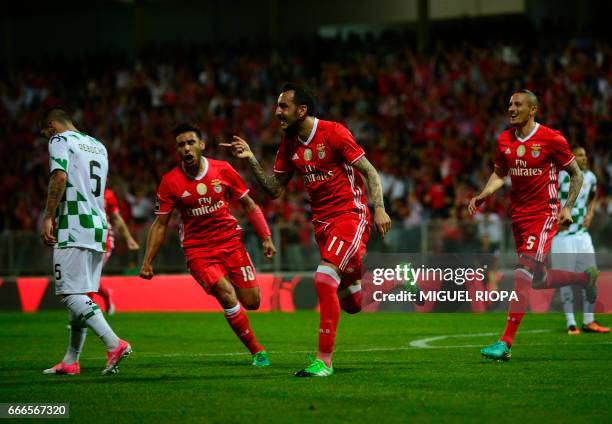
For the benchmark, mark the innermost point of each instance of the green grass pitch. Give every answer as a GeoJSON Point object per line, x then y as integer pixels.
{"type": "Point", "coordinates": [390, 367]}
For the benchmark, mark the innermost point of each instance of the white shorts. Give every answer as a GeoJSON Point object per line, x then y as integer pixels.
{"type": "Point", "coordinates": [573, 252]}
{"type": "Point", "coordinates": [76, 270]}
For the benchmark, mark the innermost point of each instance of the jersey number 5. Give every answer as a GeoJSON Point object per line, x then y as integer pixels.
{"type": "Point", "coordinates": [92, 175]}
{"type": "Point", "coordinates": [530, 242]}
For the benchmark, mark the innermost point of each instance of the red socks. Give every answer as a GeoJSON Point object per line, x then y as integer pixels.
{"type": "Point", "coordinates": [522, 282]}
{"type": "Point", "coordinates": [237, 319]}
{"type": "Point", "coordinates": [326, 283]}
{"type": "Point", "coordinates": [350, 296]}
{"type": "Point", "coordinates": [559, 278]}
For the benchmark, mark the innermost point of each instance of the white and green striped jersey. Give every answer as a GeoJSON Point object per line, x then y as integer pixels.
{"type": "Point", "coordinates": [579, 211]}
{"type": "Point", "coordinates": [81, 220]}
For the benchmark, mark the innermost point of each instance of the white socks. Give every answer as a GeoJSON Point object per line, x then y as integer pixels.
{"type": "Point", "coordinates": [85, 310]}
{"type": "Point", "coordinates": [567, 295]}
{"type": "Point", "coordinates": [76, 340]}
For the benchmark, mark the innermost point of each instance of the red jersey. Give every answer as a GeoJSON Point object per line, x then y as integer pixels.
{"type": "Point", "coordinates": [325, 163]}
{"type": "Point", "coordinates": [111, 206]}
{"type": "Point", "coordinates": [533, 164]}
{"type": "Point", "coordinates": [203, 204]}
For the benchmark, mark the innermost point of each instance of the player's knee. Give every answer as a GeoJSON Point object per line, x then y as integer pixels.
{"type": "Point", "coordinates": [252, 302]}
{"type": "Point", "coordinates": [225, 294]}
{"type": "Point", "coordinates": [534, 269]}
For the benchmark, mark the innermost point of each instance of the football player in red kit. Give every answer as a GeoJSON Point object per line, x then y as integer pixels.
{"type": "Point", "coordinates": [333, 167]}
{"type": "Point", "coordinates": [532, 155]}
{"type": "Point", "coordinates": [200, 188]}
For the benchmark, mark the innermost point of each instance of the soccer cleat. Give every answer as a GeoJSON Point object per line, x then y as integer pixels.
{"type": "Point", "coordinates": [591, 289]}
{"type": "Point", "coordinates": [594, 327]}
{"type": "Point", "coordinates": [572, 330]}
{"type": "Point", "coordinates": [498, 351]}
{"type": "Point", "coordinates": [260, 359]}
{"type": "Point", "coordinates": [64, 369]}
{"type": "Point", "coordinates": [316, 369]}
{"type": "Point", "coordinates": [114, 358]}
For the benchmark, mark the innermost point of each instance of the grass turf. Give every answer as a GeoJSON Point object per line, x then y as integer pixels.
{"type": "Point", "coordinates": [191, 367]}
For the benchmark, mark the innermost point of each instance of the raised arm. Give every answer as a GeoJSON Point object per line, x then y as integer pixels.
{"type": "Point", "coordinates": [155, 239]}
{"type": "Point", "coordinates": [496, 181]}
{"type": "Point", "coordinates": [274, 185]}
{"type": "Point", "coordinates": [576, 177]}
{"type": "Point", "coordinates": [381, 218]}
{"type": "Point", "coordinates": [57, 186]}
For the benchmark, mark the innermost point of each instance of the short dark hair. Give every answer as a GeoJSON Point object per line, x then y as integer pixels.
{"type": "Point", "coordinates": [55, 113]}
{"type": "Point", "coordinates": [532, 99]}
{"type": "Point", "coordinates": [184, 127]}
{"type": "Point", "coordinates": [302, 96]}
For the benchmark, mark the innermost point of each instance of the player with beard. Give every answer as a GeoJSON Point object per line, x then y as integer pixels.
{"type": "Point", "coordinates": [332, 166]}
{"type": "Point", "coordinates": [200, 188]}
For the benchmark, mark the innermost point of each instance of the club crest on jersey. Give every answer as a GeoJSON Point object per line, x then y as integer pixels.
{"type": "Point", "coordinates": [535, 150]}
{"type": "Point", "coordinates": [216, 183]}
{"type": "Point", "coordinates": [520, 150]}
{"type": "Point", "coordinates": [201, 189]}
{"type": "Point", "coordinates": [321, 150]}
{"type": "Point", "coordinates": [307, 154]}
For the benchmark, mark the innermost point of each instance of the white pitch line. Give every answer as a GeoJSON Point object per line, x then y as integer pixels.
{"type": "Point", "coordinates": [415, 344]}
{"type": "Point", "coordinates": [424, 343]}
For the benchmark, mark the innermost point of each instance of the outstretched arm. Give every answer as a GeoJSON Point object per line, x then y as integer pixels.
{"type": "Point", "coordinates": [57, 186]}
{"type": "Point", "coordinates": [275, 184]}
{"type": "Point", "coordinates": [381, 218]}
{"type": "Point", "coordinates": [155, 239]}
{"type": "Point", "coordinates": [576, 177]}
{"type": "Point", "coordinates": [496, 181]}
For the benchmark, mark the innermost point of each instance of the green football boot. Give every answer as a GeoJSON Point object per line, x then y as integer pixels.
{"type": "Point", "coordinates": [591, 290]}
{"type": "Point", "coordinates": [316, 369]}
{"type": "Point", "coordinates": [260, 359]}
{"type": "Point", "coordinates": [498, 351]}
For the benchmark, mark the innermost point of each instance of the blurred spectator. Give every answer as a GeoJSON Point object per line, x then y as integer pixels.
{"type": "Point", "coordinates": [428, 122]}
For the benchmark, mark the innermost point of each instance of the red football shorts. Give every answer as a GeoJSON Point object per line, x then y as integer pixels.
{"type": "Point", "coordinates": [342, 242]}
{"type": "Point", "coordinates": [232, 261]}
{"type": "Point", "coordinates": [533, 235]}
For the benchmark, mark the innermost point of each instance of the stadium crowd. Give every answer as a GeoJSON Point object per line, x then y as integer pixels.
{"type": "Point", "coordinates": [427, 122]}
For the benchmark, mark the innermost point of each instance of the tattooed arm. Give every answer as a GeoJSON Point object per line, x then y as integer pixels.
{"type": "Point", "coordinates": [274, 184]}
{"type": "Point", "coordinates": [57, 185]}
{"type": "Point", "coordinates": [381, 219]}
{"type": "Point", "coordinates": [576, 177]}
